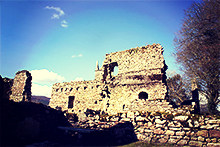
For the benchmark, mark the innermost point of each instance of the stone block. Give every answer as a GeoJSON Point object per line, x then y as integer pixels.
{"type": "Point", "coordinates": [175, 129]}
{"type": "Point", "coordinates": [213, 145]}
{"type": "Point", "coordinates": [195, 143]}
{"type": "Point", "coordinates": [214, 139]}
{"type": "Point", "coordinates": [148, 139]}
{"type": "Point", "coordinates": [208, 140]}
{"type": "Point", "coordinates": [169, 132]}
{"type": "Point", "coordinates": [158, 121]}
{"type": "Point", "coordinates": [186, 129]}
{"type": "Point", "coordinates": [212, 121]}
{"type": "Point", "coordinates": [214, 133]}
{"type": "Point", "coordinates": [186, 138]}
{"type": "Point", "coordinates": [159, 126]}
{"type": "Point", "coordinates": [203, 133]}
{"type": "Point", "coordinates": [201, 139]}
{"type": "Point", "coordinates": [140, 136]}
{"type": "Point", "coordinates": [182, 142]}
{"type": "Point", "coordinates": [173, 141]}
{"type": "Point", "coordinates": [162, 140]}
{"type": "Point", "coordinates": [158, 131]}
{"type": "Point", "coordinates": [194, 138]}
{"type": "Point", "coordinates": [180, 133]}
{"type": "Point", "coordinates": [148, 131]}
{"type": "Point", "coordinates": [130, 114]}
{"type": "Point", "coordinates": [181, 118]}
{"type": "Point", "coordinates": [139, 118]}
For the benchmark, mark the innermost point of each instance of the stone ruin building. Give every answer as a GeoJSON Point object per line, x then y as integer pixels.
{"type": "Point", "coordinates": [17, 89]}
{"type": "Point", "coordinates": [140, 84]}
{"type": "Point", "coordinates": [129, 106]}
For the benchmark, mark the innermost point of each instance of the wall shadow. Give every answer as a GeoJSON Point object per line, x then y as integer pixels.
{"type": "Point", "coordinates": [120, 134]}
{"type": "Point", "coordinates": [31, 124]}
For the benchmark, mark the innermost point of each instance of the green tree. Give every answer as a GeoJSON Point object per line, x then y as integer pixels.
{"type": "Point", "coordinates": [176, 89]}
{"type": "Point", "coordinates": [197, 48]}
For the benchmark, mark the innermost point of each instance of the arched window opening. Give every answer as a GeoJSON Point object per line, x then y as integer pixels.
{"type": "Point", "coordinates": [71, 101]}
{"type": "Point", "coordinates": [143, 95]}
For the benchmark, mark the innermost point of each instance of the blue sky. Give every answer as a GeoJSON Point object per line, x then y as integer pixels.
{"type": "Point", "coordinates": [62, 40]}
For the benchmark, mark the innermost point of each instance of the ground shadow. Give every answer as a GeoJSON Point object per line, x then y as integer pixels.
{"type": "Point", "coordinates": [120, 134]}
{"type": "Point", "coordinates": [30, 124]}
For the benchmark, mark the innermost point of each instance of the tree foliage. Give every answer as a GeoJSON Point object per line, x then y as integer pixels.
{"type": "Point", "coordinates": [176, 89]}
{"type": "Point", "coordinates": [197, 48]}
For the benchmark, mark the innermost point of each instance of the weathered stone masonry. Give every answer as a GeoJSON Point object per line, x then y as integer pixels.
{"type": "Point", "coordinates": [21, 89]}
{"type": "Point", "coordinates": [138, 86]}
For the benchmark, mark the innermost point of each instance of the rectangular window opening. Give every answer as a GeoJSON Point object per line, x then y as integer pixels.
{"type": "Point", "coordinates": [71, 101]}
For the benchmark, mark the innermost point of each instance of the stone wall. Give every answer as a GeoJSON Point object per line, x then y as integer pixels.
{"type": "Point", "coordinates": [177, 127]}
{"type": "Point", "coordinates": [138, 86]}
{"type": "Point", "coordinates": [5, 88]}
{"type": "Point", "coordinates": [21, 89]}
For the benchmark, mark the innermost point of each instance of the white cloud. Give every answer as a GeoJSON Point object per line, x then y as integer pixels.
{"type": "Point", "coordinates": [64, 24]}
{"type": "Point", "coordinates": [58, 13]}
{"type": "Point", "coordinates": [75, 56]}
{"type": "Point", "coordinates": [58, 10]}
{"type": "Point", "coordinates": [78, 79]}
{"type": "Point", "coordinates": [44, 76]}
{"type": "Point", "coordinates": [41, 90]}
{"type": "Point", "coordinates": [55, 16]}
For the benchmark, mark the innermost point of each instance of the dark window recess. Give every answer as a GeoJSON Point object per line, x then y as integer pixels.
{"type": "Point", "coordinates": [156, 77]}
{"type": "Point", "coordinates": [143, 95]}
{"type": "Point", "coordinates": [71, 101]}
{"type": "Point", "coordinates": [95, 102]}
{"type": "Point", "coordinates": [71, 89]}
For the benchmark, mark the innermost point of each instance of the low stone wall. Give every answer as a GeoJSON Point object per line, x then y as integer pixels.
{"type": "Point", "coordinates": [177, 128]}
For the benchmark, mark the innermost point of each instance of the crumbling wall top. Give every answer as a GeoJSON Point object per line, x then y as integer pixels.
{"type": "Point", "coordinates": [21, 89]}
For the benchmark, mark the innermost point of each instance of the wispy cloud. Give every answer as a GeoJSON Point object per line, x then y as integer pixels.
{"type": "Point", "coordinates": [58, 10]}
{"type": "Point", "coordinates": [64, 24]}
{"type": "Point", "coordinates": [75, 56]}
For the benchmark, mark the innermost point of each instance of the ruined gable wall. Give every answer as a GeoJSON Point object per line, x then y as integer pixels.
{"type": "Point", "coordinates": [136, 59]}
{"type": "Point", "coordinates": [21, 89]}
{"type": "Point", "coordinates": [135, 66]}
